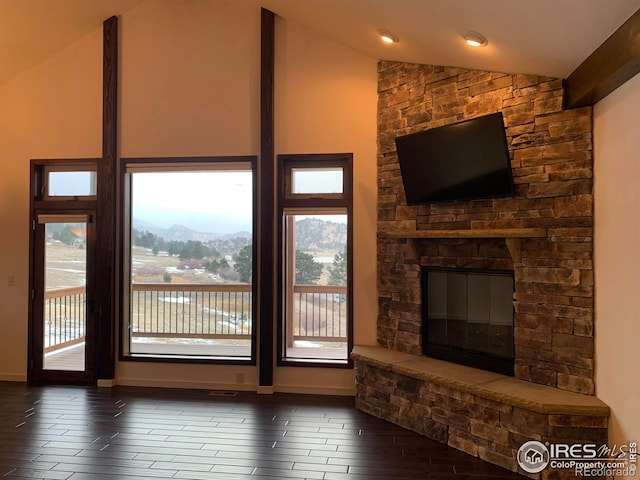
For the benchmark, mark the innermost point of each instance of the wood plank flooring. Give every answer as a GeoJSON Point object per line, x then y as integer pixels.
{"type": "Point", "coordinates": [125, 433]}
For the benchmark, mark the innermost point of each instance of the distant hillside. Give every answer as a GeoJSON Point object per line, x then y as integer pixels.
{"type": "Point", "coordinates": [227, 244]}
{"type": "Point", "coordinates": [180, 233]}
{"type": "Point", "coordinates": [315, 235]}
{"type": "Point", "coordinates": [312, 235]}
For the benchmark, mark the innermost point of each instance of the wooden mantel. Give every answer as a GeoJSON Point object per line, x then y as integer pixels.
{"type": "Point", "coordinates": [512, 236]}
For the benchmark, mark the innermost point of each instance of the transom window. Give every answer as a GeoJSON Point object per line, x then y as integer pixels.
{"type": "Point", "coordinates": [62, 182]}
{"type": "Point", "coordinates": [305, 180]}
{"type": "Point", "coordinates": [190, 260]}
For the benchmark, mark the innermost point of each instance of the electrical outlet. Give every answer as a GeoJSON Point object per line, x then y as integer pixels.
{"type": "Point", "coordinates": [11, 282]}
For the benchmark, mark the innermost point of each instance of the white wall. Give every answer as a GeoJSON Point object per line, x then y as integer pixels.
{"type": "Point", "coordinates": [190, 83]}
{"type": "Point", "coordinates": [190, 79]}
{"type": "Point", "coordinates": [189, 86]}
{"type": "Point", "coordinates": [53, 110]}
{"type": "Point", "coordinates": [326, 100]}
{"type": "Point", "coordinates": [617, 258]}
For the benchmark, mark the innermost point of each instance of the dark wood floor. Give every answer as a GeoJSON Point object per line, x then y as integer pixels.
{"type": "Point", "coordinates": [80, 433]}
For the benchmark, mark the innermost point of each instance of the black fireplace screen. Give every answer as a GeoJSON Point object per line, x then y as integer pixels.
{"type": "Point", "coordinates": [468, 317]}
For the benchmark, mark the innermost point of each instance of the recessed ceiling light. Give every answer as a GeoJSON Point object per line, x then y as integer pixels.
{"type": "Point", "coordinates": [388, 37]}
{"type": "Point", "coordinates": [475, 39]}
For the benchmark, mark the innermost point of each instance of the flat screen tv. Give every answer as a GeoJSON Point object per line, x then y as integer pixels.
{"type": "Point", "coordinates": [462, 161]}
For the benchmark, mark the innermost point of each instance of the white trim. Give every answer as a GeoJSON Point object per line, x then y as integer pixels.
{"type": "Point", "coordinates": [139, 382]}
{"type": "Point", "coordinates": [342, 392]}
{"type": "Point", "coordinates": [13, 377]}
{"type": "Point", "coordinates": [107, 383]}
{"type": "Point", "coordinates": [268, 390]}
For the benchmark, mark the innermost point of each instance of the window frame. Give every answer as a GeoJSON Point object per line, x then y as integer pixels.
{"type": "Point", "coordinates": [71, 167]}
{"type": "Point", "coordinates": [304, 203]}
{"type": "Point", "coordinates": [40, 170]}
{"type": "Point", "coordinates": [178, 164]}
{"type": "Point", "coordinates": [286, 163]}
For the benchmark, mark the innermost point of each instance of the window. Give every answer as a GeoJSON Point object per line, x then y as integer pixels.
{"type": "Point", "coordinates": [320, 181]}
{"type": "Point", "coordinates": [315, 261]}
{"type": "Point", "coordinates": [64, 183]}
{"type": "Point", "coordinates": [189, 249]}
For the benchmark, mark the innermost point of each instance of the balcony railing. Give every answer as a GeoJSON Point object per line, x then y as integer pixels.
{"type": "Point", "coordinates": [65, 318]}
{"type": "Point", "coordinates": [191, 311]}
{"type": "Point", "coordinates": [319, 313]}
{"type": "Point", "coordinates": [184, 311]}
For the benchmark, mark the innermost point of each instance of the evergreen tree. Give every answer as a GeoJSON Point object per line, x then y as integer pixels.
{"type": "Point", "coordinates": [308, 271]}
{"type": "Point", "coordinates": [338, 271]}
{"type": "Point", "coordinates": [65, 235]}
{"type": "Point", "coordinates": [174, 248]}
{"type": "Point", "coordinates": [244, 263]}
{"type": "Point", "coordinates": [212, 266]}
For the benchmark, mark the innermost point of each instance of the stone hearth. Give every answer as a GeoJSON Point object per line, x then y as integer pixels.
{"type": "Point", "coordinates": [485, 414]}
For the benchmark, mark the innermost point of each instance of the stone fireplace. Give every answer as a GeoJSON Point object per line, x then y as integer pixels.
{"type": "Point", "coordinates": [544, 235]}
{"type": "Point", "coordinates": [551, 151]}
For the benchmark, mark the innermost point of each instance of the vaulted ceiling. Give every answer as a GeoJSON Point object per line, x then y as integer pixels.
{"type": "Point", "coordinates": [547, 37]}
{"type": "Point", "coordinates": [33, 30]}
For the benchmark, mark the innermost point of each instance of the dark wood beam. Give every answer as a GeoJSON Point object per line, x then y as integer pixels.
{"type": "Point", "coordinates": [106, 206]}
{"type": "Point", "coordinates": [609, 66]}
{"type": "Point", "coordinates": [266, 176]}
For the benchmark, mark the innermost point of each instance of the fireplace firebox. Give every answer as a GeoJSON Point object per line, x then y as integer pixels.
{"type": "Point", "coordinates": [468, 317]}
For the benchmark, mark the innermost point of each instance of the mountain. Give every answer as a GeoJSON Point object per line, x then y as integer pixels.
{"type": "Point", "coordinates": [180, 233]}
{"type": "Point", "coordinates": [316, 235]}
{"type": "Point", "coordinates": [312, 235]}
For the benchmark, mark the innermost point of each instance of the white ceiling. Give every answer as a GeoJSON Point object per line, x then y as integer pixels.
{"type": "Point", "coordinates": [546, 37]}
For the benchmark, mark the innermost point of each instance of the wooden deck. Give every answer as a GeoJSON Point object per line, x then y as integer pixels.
{"type": "Point", "coordinates": [72, 358]}
{"type": "Point", "coordinates": [68, 359]}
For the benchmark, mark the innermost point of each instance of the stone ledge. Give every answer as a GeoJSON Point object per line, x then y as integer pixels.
{"type": "Point", "coordinates": [467, 233]}
{"type": "Point", "coordinates": [492, 386]}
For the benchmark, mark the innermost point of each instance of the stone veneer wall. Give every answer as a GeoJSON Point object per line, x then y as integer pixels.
{"type": "Point", "coordinates": [551, 151]}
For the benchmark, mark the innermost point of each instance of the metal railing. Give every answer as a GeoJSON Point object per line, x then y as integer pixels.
{"type": "Point", "coordinates": [191, 311]}
{"type": "Point", "coordinates": [65, 318]}
{"type": "Point", "coordinates": [181, 311]}
{"type": "Point", "coordinates": [319, 313]}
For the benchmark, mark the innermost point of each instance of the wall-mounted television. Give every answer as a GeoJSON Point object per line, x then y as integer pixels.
{"type": "Point", "coordinates": [461, 161]}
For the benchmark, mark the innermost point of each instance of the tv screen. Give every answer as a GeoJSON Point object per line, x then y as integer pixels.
{"type": "Point", "coordinates": [462, 161]}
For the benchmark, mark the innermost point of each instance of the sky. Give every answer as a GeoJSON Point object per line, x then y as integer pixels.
{"type": "Point", "coordinates": [217, 201]}
{"type": "Point", "coordinates": [317, 180]}
{"type": "Point", "coordinates": [72, 183]}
